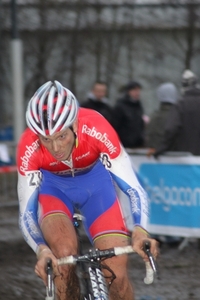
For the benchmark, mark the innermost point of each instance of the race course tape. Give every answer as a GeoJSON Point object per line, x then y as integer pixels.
{"type": "Point", "coordinates": [8, 169]}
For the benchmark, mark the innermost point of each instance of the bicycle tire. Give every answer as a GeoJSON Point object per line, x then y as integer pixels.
{"type": "Point", "coordinates": [84, 281]}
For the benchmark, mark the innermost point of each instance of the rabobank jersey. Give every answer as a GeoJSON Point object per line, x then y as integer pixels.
{"type": "Point", "coordinates": [97, 140]}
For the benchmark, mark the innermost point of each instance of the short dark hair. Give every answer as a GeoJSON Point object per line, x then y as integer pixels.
{"type": "Point", "coordinates": [132, 85]}
{"type": "Point", "coordinates": [99, 82]}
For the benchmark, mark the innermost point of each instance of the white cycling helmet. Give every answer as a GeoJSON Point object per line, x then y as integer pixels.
{"type": "Point", "coordinates": [51, 109]}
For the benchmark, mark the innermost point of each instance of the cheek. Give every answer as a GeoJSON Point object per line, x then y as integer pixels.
{"type": "Point", "coordinates": [68, 141]}
{"type": "Point", "coordinates": [49, 146]}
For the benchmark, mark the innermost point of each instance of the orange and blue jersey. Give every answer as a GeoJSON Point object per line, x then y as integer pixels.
{"type": "Point", "coordinates": [97, 160]}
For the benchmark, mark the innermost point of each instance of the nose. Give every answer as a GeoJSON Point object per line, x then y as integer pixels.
{"type": "Point", "coordinates": [55, 146]}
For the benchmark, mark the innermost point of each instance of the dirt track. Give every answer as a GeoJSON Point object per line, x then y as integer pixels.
{"type": "Point", "coordinates": [179, 270]}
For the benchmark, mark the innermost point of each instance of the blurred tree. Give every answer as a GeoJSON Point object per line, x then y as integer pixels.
{"type": "Point", "coordinates": [78, 42]}
{"type": "Point", "coordinates": [185, 35]}
{"type": "Point", "coordinates": [190, 33]}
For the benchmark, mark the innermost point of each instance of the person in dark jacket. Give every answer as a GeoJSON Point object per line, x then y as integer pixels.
{"type": "Point", "coordinates": [168, 96]}
{"type": "Point", "coordinates": [98, 101]}
{"type": "Point", "coordinates": [128, 116]}
{"type": "Point", "coordinates": [182, 127]}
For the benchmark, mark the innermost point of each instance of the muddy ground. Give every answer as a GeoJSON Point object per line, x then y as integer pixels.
{"type": "Point", "coordinates": [179, 270]}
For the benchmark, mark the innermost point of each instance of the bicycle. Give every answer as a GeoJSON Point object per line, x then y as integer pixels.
{"type": "Point", "coordinates": [90, 264]}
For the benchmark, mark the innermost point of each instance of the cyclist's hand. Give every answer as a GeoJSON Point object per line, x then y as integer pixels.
{"type": "Point", "coordinates": [40, 268]}
{"type": "Point", "coordinates": [139, 236]}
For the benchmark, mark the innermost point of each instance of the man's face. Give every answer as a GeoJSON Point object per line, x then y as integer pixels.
{"type": "Point", "coordinates": [99, 91]}
{"type": "Point", "coordinates": [59, 144]}
{"type": "Point", "coordinates": [134, 93]}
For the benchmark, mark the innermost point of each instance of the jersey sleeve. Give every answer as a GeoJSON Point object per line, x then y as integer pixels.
{"type": "Point", "coordinates": [117, 162]}
{"type": "Point", "coordinates": [29, 177]}
{"type": "Point", "coordinates": [28, 209]}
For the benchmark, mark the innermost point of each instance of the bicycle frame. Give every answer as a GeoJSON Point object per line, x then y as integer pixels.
{"type": "Point", "coordinates": [91, 278]}
{"type": "Point", "coordinates": [96, 287]}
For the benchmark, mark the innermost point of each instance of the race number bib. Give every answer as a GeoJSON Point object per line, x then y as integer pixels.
{"type": "Point", "coordinates": [34, 178]}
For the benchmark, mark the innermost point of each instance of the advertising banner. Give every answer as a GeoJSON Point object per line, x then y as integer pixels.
{"type": "Point", "coordinates": [173, 186]}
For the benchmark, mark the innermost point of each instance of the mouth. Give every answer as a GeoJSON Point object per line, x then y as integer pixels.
{"type": "Point", "coordinates": [59, 156]}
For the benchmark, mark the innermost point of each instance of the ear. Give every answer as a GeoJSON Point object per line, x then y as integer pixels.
{"type": "Point", "coordinates": [75, 126]}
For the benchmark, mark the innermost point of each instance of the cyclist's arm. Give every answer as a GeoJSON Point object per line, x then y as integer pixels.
{"type": "Point", "coordinates": [28, 200]}
{"type": "Point", "coordinates": [28, 208]}
{"type": "Point", "coordinates": [28, 160]}
{"type": "Point", "coordinates": [123, 174]}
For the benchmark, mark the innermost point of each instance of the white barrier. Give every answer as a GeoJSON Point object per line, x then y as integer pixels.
{"type": "Point", "coordinates": [173, 185]}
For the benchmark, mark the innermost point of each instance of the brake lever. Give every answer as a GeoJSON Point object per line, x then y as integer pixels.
{"type": "Point", "coordinates": [146, 249]}
{"type": "Point", "coordinates": [50, 284]}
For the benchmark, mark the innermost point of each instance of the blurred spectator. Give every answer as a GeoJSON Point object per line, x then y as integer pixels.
{"type": "Point", "coordinates": [129, 119]}
{"type": "Point", "coordinates": [167, 95]}
{"type": "Point", "coordinates": [182, 128]}
{"type": "Point", "coordinates": [98, 101]}
{"type": "Point", "coordinates": [190, 85]}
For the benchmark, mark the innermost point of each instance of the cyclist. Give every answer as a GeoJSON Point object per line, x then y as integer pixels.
{"type": "Point", "coordinates": [67, 159]}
